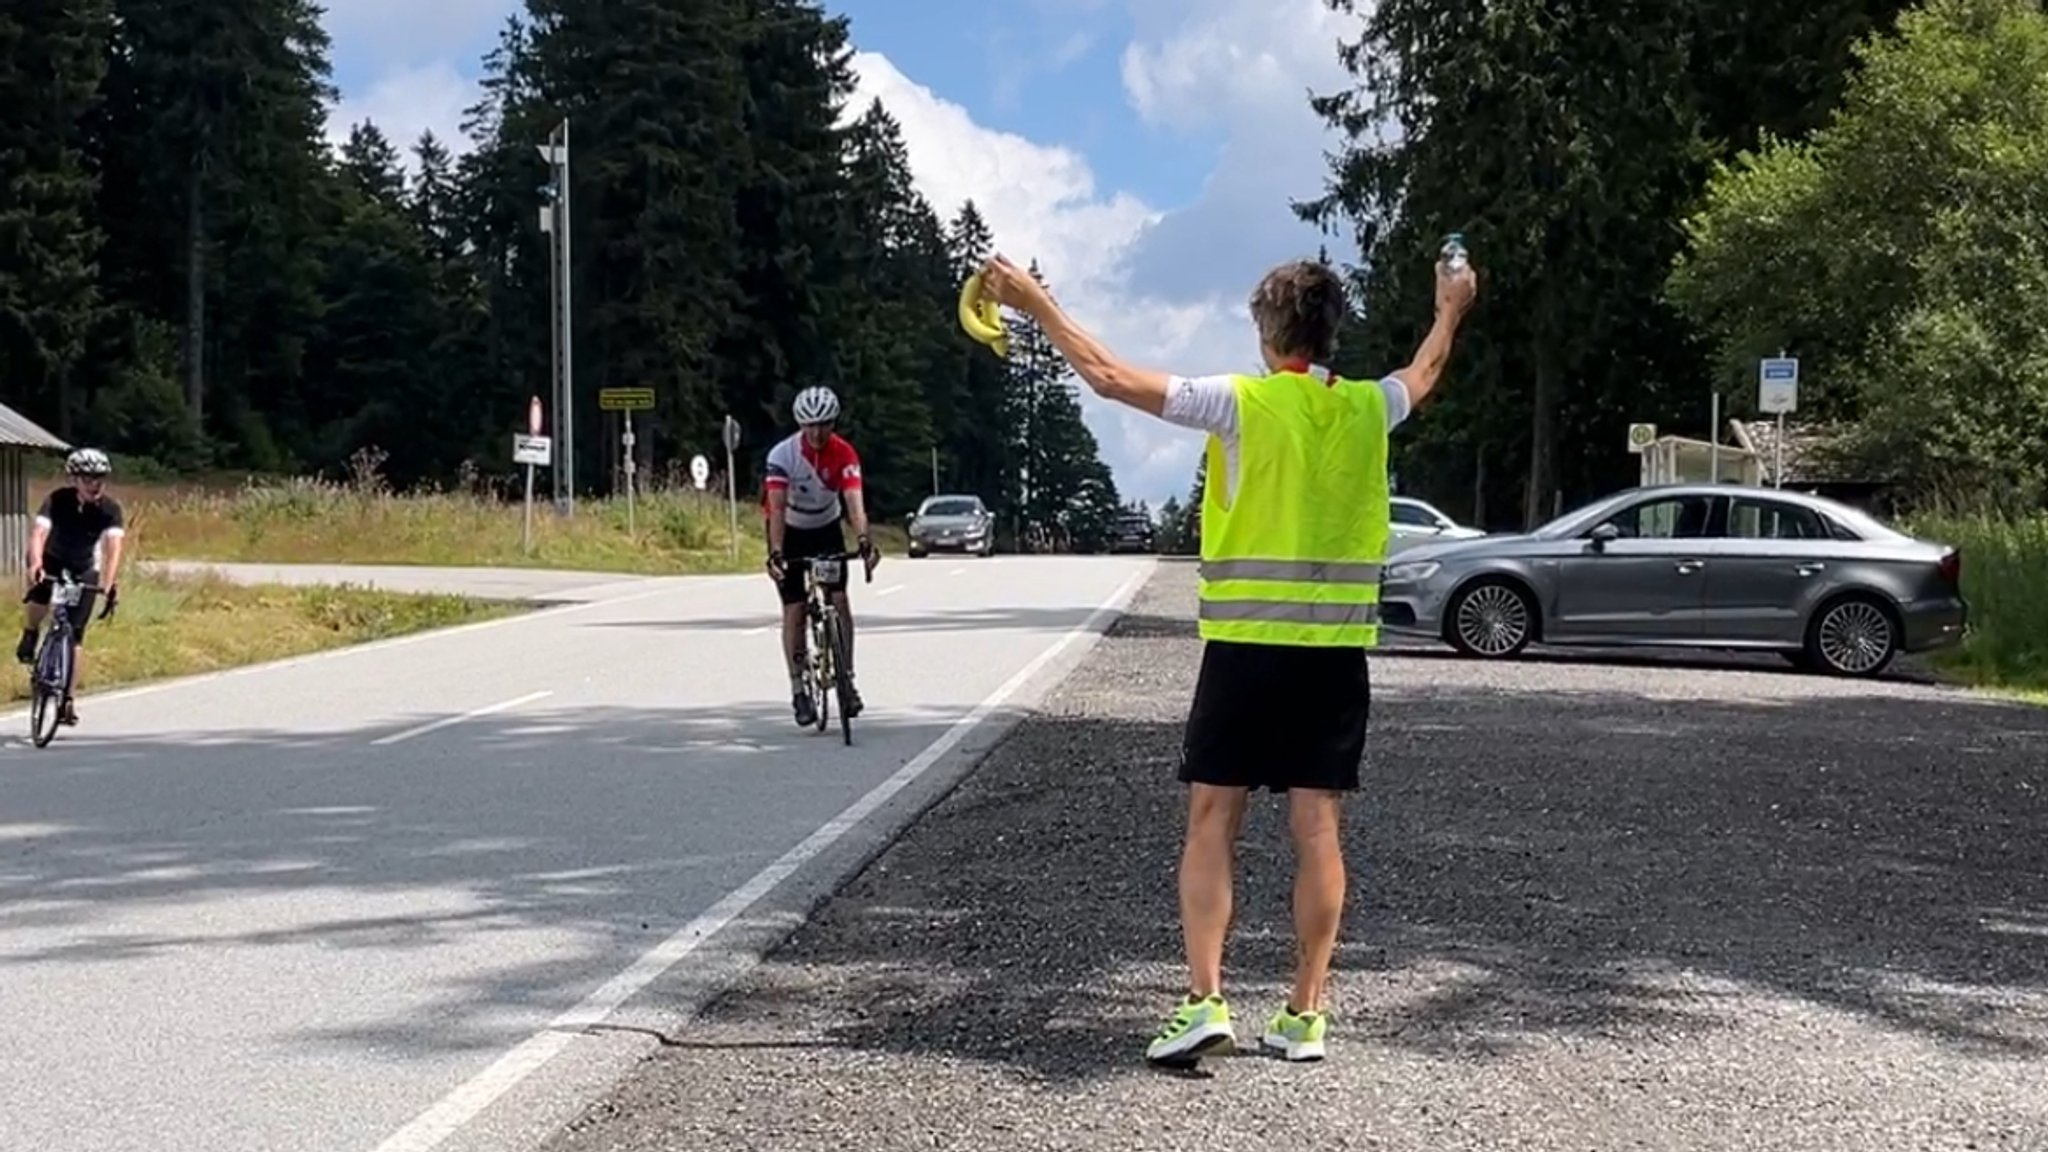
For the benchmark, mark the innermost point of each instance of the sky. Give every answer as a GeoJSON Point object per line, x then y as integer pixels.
{"type": "Point", "coordinates": [1143, 151]}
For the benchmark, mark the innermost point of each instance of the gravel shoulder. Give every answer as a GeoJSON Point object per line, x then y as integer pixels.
{"type": "Point", "coordinates": [1637, 903]}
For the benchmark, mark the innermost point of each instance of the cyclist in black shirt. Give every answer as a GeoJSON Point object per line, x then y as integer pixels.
{"type": "Point", "coordinates": [76, 524]}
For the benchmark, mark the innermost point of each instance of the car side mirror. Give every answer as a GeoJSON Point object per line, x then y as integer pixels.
{"type": "Point", "coordinates": [1602, 536]}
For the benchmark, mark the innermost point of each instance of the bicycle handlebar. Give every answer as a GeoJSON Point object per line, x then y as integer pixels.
{"type": "Point", "coordinates": [801, 561]}
{"type": "Point", "coordinates": [106, 610]}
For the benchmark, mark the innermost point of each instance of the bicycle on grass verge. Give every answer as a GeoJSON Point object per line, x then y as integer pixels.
{"type": "Point", "coordinates": [50, 682]}
{"type": "Point", "coordinates": [826, 662]}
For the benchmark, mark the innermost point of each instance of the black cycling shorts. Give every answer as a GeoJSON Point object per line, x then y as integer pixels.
{"type": "Point", "coordinates": [1277, 717]}
{"type": "Point", "coordinates": [81, 612]}
{"type": "Point", "coordinates": [798, 543]}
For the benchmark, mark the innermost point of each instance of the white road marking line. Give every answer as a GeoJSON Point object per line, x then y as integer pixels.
{"type": "Point", "coordinates": [957, 572]}
{"type": "Point", "coordinates": [473, 714]}
{"type": "Point", "coordinates": [331, 654]}
{"type": "Point", "coordinates": [891, 590]}
{"type": "Point", "coordinates": [446, 1117]}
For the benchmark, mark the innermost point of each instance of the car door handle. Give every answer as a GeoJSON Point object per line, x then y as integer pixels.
{"type": "Point", "coordinates": [1812, 568]}
{"type": "Point", "coordinates": [1688, 567]}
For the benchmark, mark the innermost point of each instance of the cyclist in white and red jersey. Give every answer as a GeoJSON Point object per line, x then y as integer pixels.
{"type": "Point", "coordinates": [813, 486]}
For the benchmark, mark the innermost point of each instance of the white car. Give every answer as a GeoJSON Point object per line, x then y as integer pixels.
{"type": "Point", "coordinates": [1417, 521]}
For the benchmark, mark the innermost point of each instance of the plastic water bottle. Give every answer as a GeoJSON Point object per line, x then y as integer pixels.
{"type": "Point", "coordinates": [1453, 255]}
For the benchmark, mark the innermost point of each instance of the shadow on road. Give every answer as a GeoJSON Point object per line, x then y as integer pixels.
{"type": "Point", "coordinates": [1524, 863]}
{"type": "Point", "coordinates": [565, 842]}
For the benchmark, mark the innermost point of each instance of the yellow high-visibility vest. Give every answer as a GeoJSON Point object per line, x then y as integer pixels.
{"type": "Point", "coordinates": [1294, 558]}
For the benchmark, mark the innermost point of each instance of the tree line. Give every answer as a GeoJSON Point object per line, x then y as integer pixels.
{"type": "Point", "coordinates": [190, 274]}
{"type": "Point", "coordinates": [1660, 193]}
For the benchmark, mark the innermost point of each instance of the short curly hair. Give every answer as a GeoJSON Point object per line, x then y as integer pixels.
{"type": "Point", "coordinates": [1298, 308]}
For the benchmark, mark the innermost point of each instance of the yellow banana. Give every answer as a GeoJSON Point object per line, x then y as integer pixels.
{"type": "Point", "coordinates": [981, 317]}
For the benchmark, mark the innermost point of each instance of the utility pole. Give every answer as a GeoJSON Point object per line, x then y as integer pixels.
{"type": "Point", "coordinates": [555, 223]}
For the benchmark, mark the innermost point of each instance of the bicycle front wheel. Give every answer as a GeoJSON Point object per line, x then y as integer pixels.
{"type": "Point", "coordinates": [52, 677]}
{"type": "Point", "coordinates": [820, 679]}
{"type": "Point", "coordinates": [842, 678]}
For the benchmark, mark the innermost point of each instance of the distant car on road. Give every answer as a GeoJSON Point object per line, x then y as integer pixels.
{"type": "Point", "coordinates": [1416, 521]}
{"type": "Point", "coordinates": [1689, 566]}
{"type": "Point", "coordinates": [952, 524]}
{"type": "Point", "coordinates": [1133, 533]}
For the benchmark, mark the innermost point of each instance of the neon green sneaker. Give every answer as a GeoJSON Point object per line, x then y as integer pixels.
{"type": "Point", "coordinates": [1296, 1035]}
{"type": "Point", "coordinates": [1196, 1029]}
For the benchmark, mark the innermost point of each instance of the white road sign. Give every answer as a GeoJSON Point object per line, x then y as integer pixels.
{"type": "Point", "coordinates": [536, 450]}
{"type": "Point", "coordinates": [1777, 385]}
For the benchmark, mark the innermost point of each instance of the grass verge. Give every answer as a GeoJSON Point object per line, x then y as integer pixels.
{"type": "Point", "coordinates": [169, 627]}
{"type": "Point", "coordinates": [2005, 580]}
{"type": "Point", "coordinates": [676, 532]}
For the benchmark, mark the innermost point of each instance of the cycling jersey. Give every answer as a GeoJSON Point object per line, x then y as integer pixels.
{"type": "Point", "coordinates": [76, 529]}
{"type": "Point", "coordinates": [812, 479]}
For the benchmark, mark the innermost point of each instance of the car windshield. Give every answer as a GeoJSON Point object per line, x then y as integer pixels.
{"type": "Point", "coordinates": [951, 508]}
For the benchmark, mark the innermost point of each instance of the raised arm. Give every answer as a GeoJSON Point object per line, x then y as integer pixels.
{"type": "Point", "coordinates": [1106, 374]}
{"type": "Point", "coordinates": [1454, 295]}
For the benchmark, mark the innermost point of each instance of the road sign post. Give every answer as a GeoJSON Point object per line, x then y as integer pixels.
{"type": "Point", "coordinates": [732, 493]}
{"type": "Point", "coordinates": [627, 401]}
{"type": "Point", "coordinates": [532, 433]}
{"type": "Point", "coordinates": [1777, 392]}
{"type": "Point", "coordinates": [533, 452]}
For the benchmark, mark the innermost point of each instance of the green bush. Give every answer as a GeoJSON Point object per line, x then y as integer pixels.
{"type": "Point", "coordinates": [2005, 580]}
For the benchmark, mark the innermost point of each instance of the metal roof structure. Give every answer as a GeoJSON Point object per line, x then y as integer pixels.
{"type": "Point", "coordinates": [18, 431]}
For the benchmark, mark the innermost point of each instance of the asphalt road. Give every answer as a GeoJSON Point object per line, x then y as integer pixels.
{"type": "Point", "coordinates": [1639, 903]}
{"type": "Point", "coordinates": [432, 892]}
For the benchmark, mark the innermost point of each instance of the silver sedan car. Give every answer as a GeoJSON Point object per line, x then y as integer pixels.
{"type": "Point", "coordinates": [1689, 566]}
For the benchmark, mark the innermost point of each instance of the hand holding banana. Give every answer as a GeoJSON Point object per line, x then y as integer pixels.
{"type": "Point", "coordinates": [981, 317]}
{"type": "Point", "coordinates": [999, 284]}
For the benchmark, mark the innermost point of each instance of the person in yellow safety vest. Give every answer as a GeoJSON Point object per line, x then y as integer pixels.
{"type": "Point", "coordinates": [1294, 529]}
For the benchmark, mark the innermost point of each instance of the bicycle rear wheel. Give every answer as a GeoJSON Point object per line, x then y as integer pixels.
{"type": "Point", "coordinates": [842, 679]}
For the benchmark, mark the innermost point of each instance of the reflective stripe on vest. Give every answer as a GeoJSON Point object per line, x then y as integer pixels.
{"type": "Point", "coordinates": [1312, 570]}
{"type": "Point", "coordinates": [1293, 557]}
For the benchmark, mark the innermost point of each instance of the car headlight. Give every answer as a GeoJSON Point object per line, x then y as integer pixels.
{"type": "Point", "coordinates": [1413, 572]}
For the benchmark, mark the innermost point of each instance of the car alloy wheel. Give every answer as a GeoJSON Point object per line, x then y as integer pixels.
{"type": "Point", "coordinates": [1492, 620]}
{"type": "Point", "coordinates": [1855, 638]}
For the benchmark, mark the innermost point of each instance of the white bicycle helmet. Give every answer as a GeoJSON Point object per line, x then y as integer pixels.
{"type": "Point", "coordinates": [815, 405]}
{"type": "Point", "coordinates": [88, 462]}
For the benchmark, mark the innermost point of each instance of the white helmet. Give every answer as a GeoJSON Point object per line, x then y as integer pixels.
{"type": "Point", "coordinates": [815, 405]}
{"type": "Point", "coordinates": [87, 462]}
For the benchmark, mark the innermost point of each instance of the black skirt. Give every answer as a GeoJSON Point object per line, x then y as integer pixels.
{"type": "Point", "coordinates": [1277, 717]}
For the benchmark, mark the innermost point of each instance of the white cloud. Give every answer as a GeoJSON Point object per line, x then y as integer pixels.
{"type": "Point", "coordinates": [1165, 289]}
{"type": "Point", "coordinates": [405, 102]}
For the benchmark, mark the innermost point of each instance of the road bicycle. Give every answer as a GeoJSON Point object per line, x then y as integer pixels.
{"type": "Point", "coordinates": [827, 662]}
{"type": "Point", "coordinates": [56, 662]}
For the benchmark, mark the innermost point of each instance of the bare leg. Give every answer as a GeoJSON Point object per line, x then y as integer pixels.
{"type": "Point", "coordinates": [1215, 816]}
{"type": "Point", "coordinates": [793, 637]}
{"type": "Point", "coordinates": [31, 624]}
{"type": "Point", "coordinates": [1318, 891]}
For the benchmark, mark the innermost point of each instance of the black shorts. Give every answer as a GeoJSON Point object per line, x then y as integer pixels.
{"type": "Point", "coordinates": [81, 612]}
{"type": "Point", "coordinates": [1277, 717]}
{"type": "Point", "coordinates": [798, 543]}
